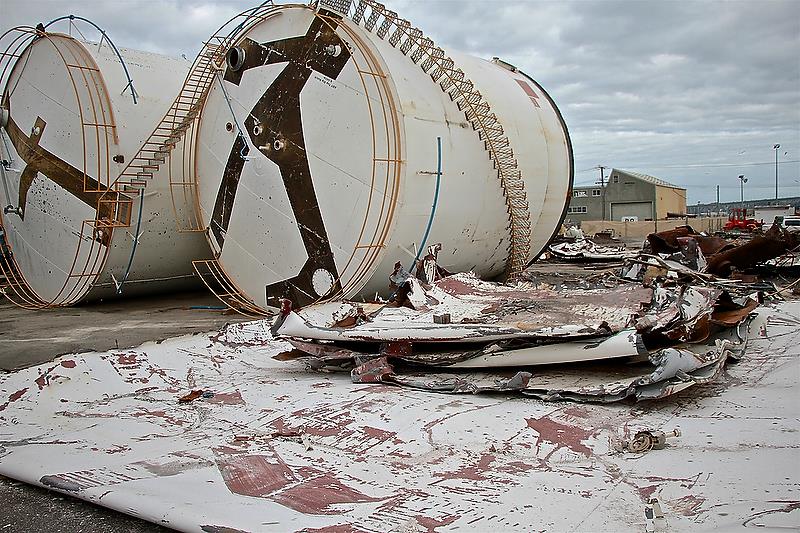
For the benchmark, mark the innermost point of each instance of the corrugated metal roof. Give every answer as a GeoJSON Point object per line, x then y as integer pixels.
{"type": "Point", "coordinates": [647, 178]}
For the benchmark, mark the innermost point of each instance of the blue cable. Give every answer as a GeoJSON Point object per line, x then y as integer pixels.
{"type": "Point", "coordinates": [435, 202]}
{"type": "Point", "coordinates": [135, 243]}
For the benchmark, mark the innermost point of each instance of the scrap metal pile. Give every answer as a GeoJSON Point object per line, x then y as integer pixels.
{"type": "Point", "coordinates": [721, 257]}
{"type": "Point", "coordinates": [656, 327]}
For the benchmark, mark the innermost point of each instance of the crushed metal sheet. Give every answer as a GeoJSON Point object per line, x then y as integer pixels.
{"type": "Point", "coordinates": [480, 312]}
{"type": "Point", "coordinates": [625, 344]}
{"type": "Point", "coordinates": [669, 371]}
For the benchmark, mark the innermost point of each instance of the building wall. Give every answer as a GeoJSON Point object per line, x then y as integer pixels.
{"type": "Point", "coordinates": [670, 200]}
{"type": "Point", "coordinates": [767, 214]}
{"type": "Point", "coordinates": [583, 197]}
{"type": "Point", "coordinates": [626, 194]}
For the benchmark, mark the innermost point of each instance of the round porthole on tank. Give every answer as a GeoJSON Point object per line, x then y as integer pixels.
{"type": "Point", "coordinates": [235, 58]}
{"type": "Point", "coordinates": [322, 281]}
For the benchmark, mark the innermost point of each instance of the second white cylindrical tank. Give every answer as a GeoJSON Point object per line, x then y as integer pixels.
{"type": "Point", "coordinates": [87, 213]}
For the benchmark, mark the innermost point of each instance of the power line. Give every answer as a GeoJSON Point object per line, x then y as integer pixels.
{"type": "Point", "coordinates": [719, 165]}
{"type": "Point", "coordinates": [703, 165]}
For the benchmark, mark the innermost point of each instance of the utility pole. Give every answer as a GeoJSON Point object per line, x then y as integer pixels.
{"type": "Point", "coordinates": [776, 169]}
{"type": "Point", "coordinates": [717, 213]}
{"type": "Point", "coordinates": [603, 188]}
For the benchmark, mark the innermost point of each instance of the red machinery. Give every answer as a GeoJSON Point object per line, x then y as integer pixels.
{"type": "Point", "coordinates": [738, 221]}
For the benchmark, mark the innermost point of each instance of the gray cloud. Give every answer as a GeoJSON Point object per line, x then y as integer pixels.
{"type": "Point", "coordinates": [660, 87]}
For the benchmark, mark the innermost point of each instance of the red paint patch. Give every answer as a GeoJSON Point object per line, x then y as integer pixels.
{"type": "Point", "coordinates": [69, 363]}
{"type": "Point", "coordinates": [530, 92]}
{"type": "Point", "coordinates": [475, 472]}
{"type": "Point", "coordinates": [430, 524]}
{"type": "Point", "coordinates": [561, 434]}
{"type": "Point", "coordinates": [516, 467]}
{"type": "Point", "coordinates": [380, 434]}
{"type": "Point", "coordinates": [646, 492]}
{"type": "Point", "coordinates": [688, 505]}
{"type": "Point", "coordinates": [316, 495]}
{"type": "Point", "coordinates": [13, 398]}
{"type": "Point", "coordinates": [17, 395]}
{"type": "Point", "coordinates": [255, 475]}
{"type": "Point", "coordinates": [127, 359]}
{"type": "Point", "coordinates": [227, 398]}
{"type": "Point", "coordinates": [455, 287]}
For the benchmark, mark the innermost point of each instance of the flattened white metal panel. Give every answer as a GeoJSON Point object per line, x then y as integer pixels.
{"type": "Point", "coordinates": [278, 447]}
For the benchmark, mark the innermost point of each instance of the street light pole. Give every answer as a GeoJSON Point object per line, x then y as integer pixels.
{"type": "Point", "coordinates": [742, 181]}
{"type": "Point", "coordinates": [776, 169]}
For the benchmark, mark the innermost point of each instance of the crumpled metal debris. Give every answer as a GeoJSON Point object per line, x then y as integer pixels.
{"type": "Point", "coordinates": [775, 242]}
{"type": "Point", "coordinates": [603, 345]}
{"type": "Point", "coordinates": [716, 256]}
{"type": "Point", "coordinates": [587, 251]}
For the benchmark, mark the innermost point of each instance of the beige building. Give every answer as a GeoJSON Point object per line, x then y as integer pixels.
{"type": "Point", "coordinates": [627, 196]}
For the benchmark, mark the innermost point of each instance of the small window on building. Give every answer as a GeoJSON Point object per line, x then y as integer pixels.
{"type": "Point", "coordinates": [616, 179]}
{"type": "Point", "coordinates": [576, 209]}
{"type": "Point", "coordinates": [595, 192]}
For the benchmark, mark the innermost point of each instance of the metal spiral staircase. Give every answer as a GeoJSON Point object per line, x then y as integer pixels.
{"type": "Point", "coordinates": [384, 23]}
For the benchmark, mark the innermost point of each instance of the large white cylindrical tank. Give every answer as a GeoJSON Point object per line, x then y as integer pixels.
{"type": "Point", "coordinates": [318, 157]}
{"type": "Point", "coordinates": [88, 211]}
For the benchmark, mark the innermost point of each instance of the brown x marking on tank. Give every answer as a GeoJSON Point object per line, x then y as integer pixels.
{"type": "Point", "coordinates": [38, 160]}
{"type": "Point", "coordinates": [275, 127]}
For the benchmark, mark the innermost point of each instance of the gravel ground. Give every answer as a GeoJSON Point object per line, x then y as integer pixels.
{"type": "Point", "coordinates": [24, 508]}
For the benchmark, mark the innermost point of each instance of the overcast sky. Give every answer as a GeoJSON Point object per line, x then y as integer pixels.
{"type": "Point", "coordinates": [692, 92]}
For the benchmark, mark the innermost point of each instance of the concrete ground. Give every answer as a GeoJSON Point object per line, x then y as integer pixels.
{"type": "Point", "coordinates": [29, 338]}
